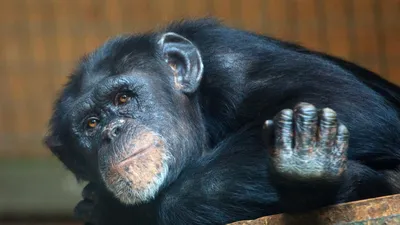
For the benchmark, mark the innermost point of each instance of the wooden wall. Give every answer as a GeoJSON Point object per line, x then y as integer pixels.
{"type": "Point", "coordinates": [40, 40]}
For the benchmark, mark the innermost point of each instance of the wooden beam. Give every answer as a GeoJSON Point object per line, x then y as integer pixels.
{"type": "Point", "coordinates": [383, 210]}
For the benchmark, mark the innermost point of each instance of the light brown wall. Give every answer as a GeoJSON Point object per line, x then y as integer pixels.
{"type": "Point", "coordinates": [41, 39]}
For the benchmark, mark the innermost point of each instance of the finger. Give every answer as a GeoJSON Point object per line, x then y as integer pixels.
{"type": "Point", "coordinates": [339, 153]}
{"type": "Point", "coordinates": [89, 192]}
{"type": "Point", "coordinates": [342, 141]}
{"type": "Point", "coordinates": [327, 130]}
{"type": "Point", "coordinates": [283, 123]}
{"type": "Point", "coordinates": [306, 121]}
{"type": "Point", "coordinates": [268, 134]}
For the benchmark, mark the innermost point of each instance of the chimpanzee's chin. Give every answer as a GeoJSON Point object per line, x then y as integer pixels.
{"type": "Point", "coordinates": [137, 179]}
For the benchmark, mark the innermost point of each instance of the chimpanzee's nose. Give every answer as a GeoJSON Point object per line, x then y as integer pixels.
{"type": "Point", "coordinates": [113, 129]}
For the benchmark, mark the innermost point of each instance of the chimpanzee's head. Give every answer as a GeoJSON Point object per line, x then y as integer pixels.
{"type": "Point", "coordinates": [129, 117]}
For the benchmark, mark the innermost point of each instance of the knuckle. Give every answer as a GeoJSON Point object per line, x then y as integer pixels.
{"type": "Point", "coordinates": [304, 105]}
{"type": "Point", "coordinates": [285, 115]}
{"type": "Point", "coordinates": [343, 131]}
{"type": "Point", "coordinates": [328, 113]}
{"type": "Point", "coordinates": [306, 108]}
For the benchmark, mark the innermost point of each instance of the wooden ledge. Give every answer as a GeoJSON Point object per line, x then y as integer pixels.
{"type": "Point", "coordinates": [382, 210]}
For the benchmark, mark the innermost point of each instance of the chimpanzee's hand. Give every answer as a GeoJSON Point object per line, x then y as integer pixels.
{"type": "Point", "coordinates": [99, 208]}
{"type": "Point", "coordinates": [88, 209]}
{"type": "Point", "coordinates": [307, 144]}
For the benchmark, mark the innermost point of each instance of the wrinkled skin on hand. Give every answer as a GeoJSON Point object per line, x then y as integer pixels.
{"type": "Point", "coordinates": [308, 143]}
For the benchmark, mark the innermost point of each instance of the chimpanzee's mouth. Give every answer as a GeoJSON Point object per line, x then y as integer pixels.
{"type": "Point", "coordinates": [135, 154]}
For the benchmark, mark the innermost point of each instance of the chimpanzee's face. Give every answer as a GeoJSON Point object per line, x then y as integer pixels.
{"type": "Point", "coordinates": [126, 120]}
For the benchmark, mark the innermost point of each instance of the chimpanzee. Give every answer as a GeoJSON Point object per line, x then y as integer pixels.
{"type": "Point", "coordinates": [202, 123]}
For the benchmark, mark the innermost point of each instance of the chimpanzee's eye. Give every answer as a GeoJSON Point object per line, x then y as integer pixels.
{"type": "Point", "coordinates": [122, 98]}
{"type": "Point", "coordinates": [92, 122]}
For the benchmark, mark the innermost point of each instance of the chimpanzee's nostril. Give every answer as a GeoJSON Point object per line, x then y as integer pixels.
{"type": "Point", "coordinates": [116, 131]}
{"type": "Point", "coordinates": [113, 132]}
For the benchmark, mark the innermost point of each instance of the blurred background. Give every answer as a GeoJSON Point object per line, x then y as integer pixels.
{"type": "Point", "coordinates": [41, 40]}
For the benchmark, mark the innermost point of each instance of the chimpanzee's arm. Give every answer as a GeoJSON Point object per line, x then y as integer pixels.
{"type": "Point", "coordinates": [309, 163]}
{"type": "Point", "coordinates": [306, 167]}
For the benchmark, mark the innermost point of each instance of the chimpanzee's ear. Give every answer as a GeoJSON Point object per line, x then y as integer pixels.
{"type": "Point", "coordinates": [72, 161]}
{"type": "Point", "coordinates": [51, 141]}
{"type": "Point", "coordinates": [184, 59]}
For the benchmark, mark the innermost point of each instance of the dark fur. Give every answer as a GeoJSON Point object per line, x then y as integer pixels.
{"type": "Point", "coordinates": [248, 78]}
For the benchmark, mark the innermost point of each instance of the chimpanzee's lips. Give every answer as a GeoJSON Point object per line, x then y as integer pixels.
{"type": "Point", "coordinates": [136, 153]}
